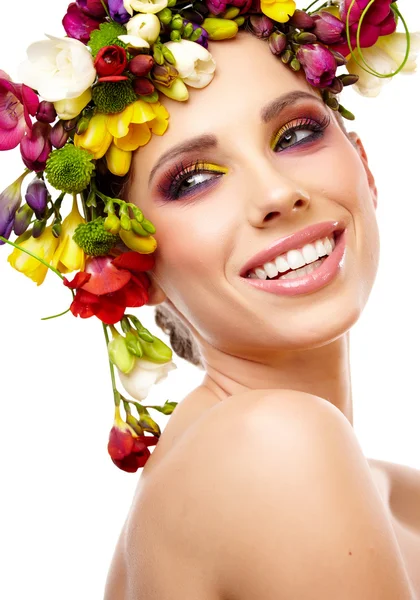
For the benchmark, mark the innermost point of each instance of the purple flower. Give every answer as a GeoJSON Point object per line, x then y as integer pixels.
{"type": "Point", "coordinates": [379, 20]}
{"type": "Point", "coordinates": [118, 12]}
{"type": "Point", "coordinates": [261, 25]}
{"type": "Point", "coordinates": [79, 25]}
{"type": "Point", "coordinates": [46, 112]}
{"type": "Point", "coordinates": [219, 6]}
{"type": "Point", "coordinates": [92, 8]}
{"type": "Point", "coordinates": [318, 63]}
{"type": "Point", "coordinates": [204, 37]}
{"type": "Point", "coordinates": [36, 197]}
{"type": "Point", "coordinates": [10, 200]}
{"type": "Point", "coordinates": [35, 147]}
{"type": "Point", "coordinates": [328, 29]}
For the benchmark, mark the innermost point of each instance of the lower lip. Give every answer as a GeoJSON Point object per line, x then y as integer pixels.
{"type": "Point", "coordinates": [311, 282]}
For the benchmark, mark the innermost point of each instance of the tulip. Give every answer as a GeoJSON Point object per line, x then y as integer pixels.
{"type": "Point", "coordinates": [141, 65]}
{"type": "Point", "coordinates": [46, 112]}
{"type": "Point", "coordinates": [277, 42]}
{"type": "Point", "coordinates": [43, 246]}
{"type": "Point", "coordinates": [10, 200]}
{"type": "Point", "coordinates": [261, 25]}
{"type": "Point", "coordinates": [37, 196]}
{"type": "Point", "coordinates": [118, 12]}
{"type": "Point", "coordinates": [17, 102]}
{"type": "Point", "coordinates": [220, 29]}
{"type": "Point", "coordinates": [128, 450]}
{"type": "Point", "coordinates": [59, 135]}
{"type": "Point", "coordinates": [36, 146]}
{"type": "Point", "coordinates": [68, 255]}
{"type": "Point", "coordinates": [78, 24]}
{"type": "Point", "coordinates": [70, 108]}
{"type": "Point", "coordinates": [318, 63]}
{"type": "Point", "coordinates": [141, 28]}
{"type": "Point", "coordinates": [23, 219]}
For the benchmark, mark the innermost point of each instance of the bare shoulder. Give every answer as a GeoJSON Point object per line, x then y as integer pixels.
{"type": "Point", "coordinates": [277, 500]}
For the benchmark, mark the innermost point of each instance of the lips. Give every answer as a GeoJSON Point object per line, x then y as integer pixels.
{"type": "Point", "coordinates": [293, 242]}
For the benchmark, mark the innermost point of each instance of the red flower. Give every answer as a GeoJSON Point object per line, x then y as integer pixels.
{"type": "Point", "coordinates": [108, 286]}
{"type": "Point", "coordinates": [110, 60]}
{"type": "Point", "coordinates": [379, 20]}
{"type": "Point", "coordinates": [127, 450]}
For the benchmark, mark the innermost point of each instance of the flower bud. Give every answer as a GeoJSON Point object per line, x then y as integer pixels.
{"type": "Point", "coordinates": [295, 64]}
{"type": "Point", "coordinates": [157, 55]}
{"type": "Point", "coordinates": [339, 58]}
{"type": "Point", "coordinates": [305, 37]}
{"type": "Point", "coordinates": [144, 245]}
{"type": "Point", "coordinates": [177, 22]}
{"type": "Point", "coordinates": [164, 74]}
{"type": "Point", "coordinates": [277, 42]}
{"type": "Point", "coordinates": [165, 16]}
{"type": "Point", "coordinates": [59, 135]}
{"type": "Point", "coordinates": [37, 196]}
{"type": "Point", "coordinates": [156, 351]}
{"type": "Point", "coordinates": [143, 86]}
{"type": "Point", "coordinates": [56, 229]}
{"type": "Point", "coordinates": [35, 147]}
{"type": "Point", "coordinates": [345, 113]}
{"type": "Point", "coordinates": [239, 21]}
{"type": "Point", "coordinates": [70, 124]}
{"type": "Point", "coordinates": [175, 36]}
{"type": "Point", "coordinates": [23, 218]}
{"type": "Point", "coordinates": [38, 228]}
{"type": "Point", "coordinates": [331, 101]}
{"type": "Point", "coordinates": [336, 86]}
{"type": "Point", "coordinates": [119, 354]}
{"type": "Point", "coordinates": [261, 25]}
{"type": "Point", "coordinates": [133, 344]}
{"type": "Point", "coordinates": [231, 13]}
{"type": "Point", "coordinates": [220, 29]}
{"type": "Point", "coordinates": [82, 125]}
{"type": "Point", "coordinates": [301, 20]}
{"type": "Point", "coordinates": [167, 54]}
{"type": "Point", "coordinates": [112, 224]}
{"type": "Point", "coordinates": [188, 29]}
{"type": "Point", "coordinates": [46, 112]}
{"type": "Point", "coordinates": [141, 65]}
{"type": "Point", "coordinates": [286, 56]}
{"type": "Point", "coordinates": [148, 226]}
{"type": "Point", "coordinates": [125, 222]}
{"type": "Point", "coordinates": [328, 29]}
{"type": "Point", "coordinates": [349, 79]}
{"type": "Point", "coordinates": [137, 228]}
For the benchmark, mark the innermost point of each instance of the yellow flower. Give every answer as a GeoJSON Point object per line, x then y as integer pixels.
{"type": "Point", "coordinates": [44, 246]}
{"type": "Point", "coordinates": [278, 10]}
{"type": "Point", "coordinates": [69, 256]}
{"type": "Point", "coordinates": [119, 134]}
{"type": "Point", "coordinates": [70, 108]}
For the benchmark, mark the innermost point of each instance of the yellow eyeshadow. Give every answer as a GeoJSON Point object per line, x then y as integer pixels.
{"type": "Point", "coordinates": [212, 167]}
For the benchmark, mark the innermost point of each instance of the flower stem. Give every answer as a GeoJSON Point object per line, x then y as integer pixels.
{"type": "Point", "coordinates": [117, 397]}
{"type": "Point", "coordinates": [54, 316]}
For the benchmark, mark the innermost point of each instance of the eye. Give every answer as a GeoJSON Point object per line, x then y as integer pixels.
{"type": "Point", "coordinates": [299, 132]}
{"type": "Point", "coordinates": [184, 180]}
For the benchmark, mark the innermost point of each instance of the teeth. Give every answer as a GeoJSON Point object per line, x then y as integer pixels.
{"type": "Point", "coordinates": [303, 271]}
{"type": "Point", "coordinates": [295, 259]}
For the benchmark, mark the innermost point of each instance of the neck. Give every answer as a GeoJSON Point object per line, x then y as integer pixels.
{"type": "Point", "coordinates": [323, 372]}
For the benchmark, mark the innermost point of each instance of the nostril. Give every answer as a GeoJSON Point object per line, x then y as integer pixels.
{"type": "Point", "coordinates": [270, 216]}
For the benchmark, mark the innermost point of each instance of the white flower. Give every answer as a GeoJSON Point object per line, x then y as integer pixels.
{"type": "Point", "coordinates": [143, 375]}
{"type": "Point", "coordinates": [69, 108]}
{"type": "Point", "coordinates": [145, 6]}
{"type": "Point", "coordinates": [194, 63]}
{"type": "Point", "coordinates": [58, 68]}
{"type": "Point", "coordinates": [385, 57]}
{"type": "Point", "coordinates": [143, 29]}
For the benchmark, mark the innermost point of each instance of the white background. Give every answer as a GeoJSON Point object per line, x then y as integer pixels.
{"type": "Point", "coordinates": [63, 501]}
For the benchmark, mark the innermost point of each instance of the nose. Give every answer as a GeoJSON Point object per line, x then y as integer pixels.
{"type": "Point", "coordinates": [273, 195]}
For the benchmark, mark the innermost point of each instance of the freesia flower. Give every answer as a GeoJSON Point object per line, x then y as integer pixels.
{"type": "Point", "coordinates": [217, 7]}
{"type": "Point", "coordinates": [35, 146]}
{"type": "Point", "coordinates": [146, 6]}
{"type": "Point", "coordinates": [17, 102]}
{"type": "Point", "coordinates": [79, 25]}
{"type": "Point", "coordinates": [93, 8]}
{"type": "Point", "coordinates": [70, 108]}
{"type": "Point", "coordinates": [37, 196]}
{"type": "Point", "coordinates": [318, 63]}
{"type": "Point", "coordinates": [10, 200]}
{"type": "Point", "coordinates": [278, 10]}
{"type": "Point", "coordinates": [58, 68]}
{"type": "Point", "coordinates": [110, 60]}
{"type": "Point", "coordinates": [118, 12]}
{"type": "Point", "coordinates": [108, 286]}
{"type": "Point", "coordinates": [142, 30]}
{"type": "Point", "coordinates": [46, 112]}
{"type": "Point", "coordinates": [43, 246]}
{"type": "Point", "coordinates": [328, 28]}
{"type": "Point", "coordinates": [384, 57]}
{"type": "Point", "coordinates": [143, 375]}
{"type": "Point", "coordinates": [194, 63]}
{"type": "Point", "coordinates": [128, 450]}
{"type": "Point", "coordinates": [379, 20]}
{"type": "Point", "coordinates": [68, 255]}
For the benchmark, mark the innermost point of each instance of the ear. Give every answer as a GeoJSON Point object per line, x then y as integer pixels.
{"type": "Point", "coordinates": [357, 142]}
{"type": "Point", "coordinates": [156, 294]}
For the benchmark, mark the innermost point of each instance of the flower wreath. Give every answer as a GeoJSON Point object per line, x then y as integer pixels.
{"type": "Point", "coordinates": [95, 98]}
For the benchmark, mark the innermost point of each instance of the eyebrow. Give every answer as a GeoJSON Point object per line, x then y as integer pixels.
{"type": "Point", "coordinates": [208, 141]}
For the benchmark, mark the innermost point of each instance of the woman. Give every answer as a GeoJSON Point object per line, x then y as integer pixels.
{"type": "Point", "coordinates": [267, 197]}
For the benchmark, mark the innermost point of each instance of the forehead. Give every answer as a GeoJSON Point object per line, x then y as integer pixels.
{"type": "Point", "coordinates": [247, 77]}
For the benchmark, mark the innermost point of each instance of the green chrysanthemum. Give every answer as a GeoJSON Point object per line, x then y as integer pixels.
{"type": "Point", "coordinates": [69, 169]}
{"type": "Point", "coordinates": [94, 239]}
{"type": "Point", "coordinates": [113, 97]}
{"type": "Point", "coordinates": [106, 35]}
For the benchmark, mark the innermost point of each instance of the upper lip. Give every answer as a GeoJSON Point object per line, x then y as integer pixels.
{"type": "Point", "coordinates": [292, 241]}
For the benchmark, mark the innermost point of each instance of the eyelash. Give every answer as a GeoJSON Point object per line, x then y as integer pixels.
{"type": "Point", "coordinates": [181, 172]}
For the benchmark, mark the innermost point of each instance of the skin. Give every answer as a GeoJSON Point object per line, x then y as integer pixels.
{"type": "Point", "coordinates": [251, 339]}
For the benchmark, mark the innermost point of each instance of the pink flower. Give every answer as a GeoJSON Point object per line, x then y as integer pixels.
{"type": "Point", "coordinates": [318, 63]}
{"type": "Point", "coordinates": [17, 102]}
{"type": "Point", "coordinates": [378, 21]}
{"type": "Point", "coordinates": [79, 24]}
{"type": "Point", "coordinates": [35, 146]}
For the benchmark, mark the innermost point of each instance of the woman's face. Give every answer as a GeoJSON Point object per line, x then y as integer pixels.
{"type": "Point", "coordinates": [256, 185]}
